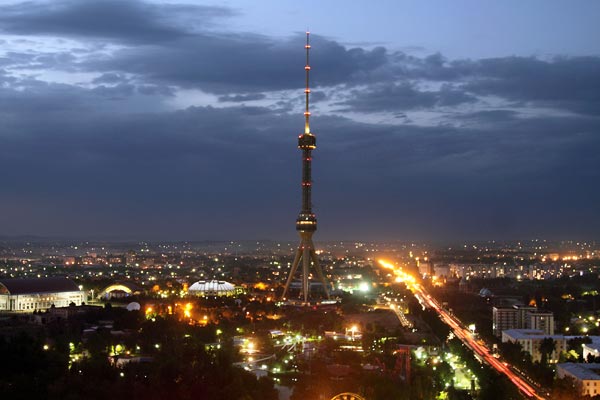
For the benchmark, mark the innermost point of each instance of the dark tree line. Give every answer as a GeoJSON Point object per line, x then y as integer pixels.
{"type": "Point", "coordinates": [36, 365]}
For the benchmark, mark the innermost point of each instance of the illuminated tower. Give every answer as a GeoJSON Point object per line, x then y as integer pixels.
{"type": "Point", "coordinates": [306, 223]}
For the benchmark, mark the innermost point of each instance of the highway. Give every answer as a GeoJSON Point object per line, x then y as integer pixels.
{"type": "Point", "coordinates": [461, 332]}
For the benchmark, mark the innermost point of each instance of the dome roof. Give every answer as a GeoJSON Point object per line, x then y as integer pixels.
{"type": "Point", "coordinates": [133, 306]}
{"type": "Point", "coordinates": [213, 286]}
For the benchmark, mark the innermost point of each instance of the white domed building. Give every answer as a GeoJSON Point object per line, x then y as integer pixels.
{"type": "Point", "coordinates": [134, 306]}
{"type": "Point", "coordinates": [212, 288]}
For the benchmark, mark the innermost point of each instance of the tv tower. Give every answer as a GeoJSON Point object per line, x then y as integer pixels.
{"type": "Point", "coordinates": [306, 223]}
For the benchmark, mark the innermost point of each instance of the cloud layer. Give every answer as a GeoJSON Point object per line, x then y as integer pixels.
{"type": "Point", "coordinates": [153, 120]}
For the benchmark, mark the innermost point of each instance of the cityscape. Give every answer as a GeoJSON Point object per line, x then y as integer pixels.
{"type": "Point", "coordinates": [159, 155]}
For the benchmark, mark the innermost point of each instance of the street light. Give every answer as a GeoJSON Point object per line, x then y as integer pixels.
{"type": "Point", "coordinates": [353, 329]}
{"type": "Point", "coordinates": [472, 328]}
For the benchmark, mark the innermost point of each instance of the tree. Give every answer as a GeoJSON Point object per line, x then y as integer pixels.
{"type": "Point", "coordinates": [514, 354]}
{"type": "Point", "coordinates": [547, 346]}
{"type": "Point", "coordinates": [566, 388]}
{"type": "Point", "coordinates": [576, 345]}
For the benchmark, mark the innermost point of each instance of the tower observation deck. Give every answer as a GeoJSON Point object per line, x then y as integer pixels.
{"type": "Point", "coordinates": [306, 223]}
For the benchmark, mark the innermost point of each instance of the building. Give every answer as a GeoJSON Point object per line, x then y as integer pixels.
{"type": "Point", "coordinates": [503, 318]}
{"type": "Point", "coordinates": [543, 321]}
{"type": "Point", "coordinates": [586, 376]}
{"type": "Point", "coordinates": [591, 349]}
{"type": "Point", "coordinates": [120, 290]}
{"type": "Point", "coordinates": [31, 294]}
{"type": "Point", "coordinates": [425, 268]}
{"type": "Point", "coordinates": [530, 340]}
{"type": "Point", "coordinates": [523, 320]}
{"type": "Point", "coordinates": [212, 288]}
{"type": "Point", "coordinates": [441, 270]}
{"type": "Point", "coordinates": [521, 317]}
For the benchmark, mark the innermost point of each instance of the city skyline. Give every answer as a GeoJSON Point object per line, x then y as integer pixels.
{"type": "Point", "coordinates": [173, 121]}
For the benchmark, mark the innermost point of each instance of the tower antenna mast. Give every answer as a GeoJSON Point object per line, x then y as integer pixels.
{"type": "Point", "coordinates": [307, 88]}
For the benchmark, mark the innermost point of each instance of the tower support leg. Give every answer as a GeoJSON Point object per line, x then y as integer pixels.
{"type": "Point", "coordinates": [292, 271]}
{"type": "Point", "coordinates": [318, 270]}
{"type": "Point", "coordinates": [305, 269]}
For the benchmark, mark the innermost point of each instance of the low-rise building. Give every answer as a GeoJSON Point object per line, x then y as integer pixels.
{"type": "Point", "coordinates": [591, 349]}
{"type": "Point", "coordinates": [586, 376]}
{"type": "Point", "coordinates": [531, 339]}
{"type": "Point", "coordinates": [31, 294]}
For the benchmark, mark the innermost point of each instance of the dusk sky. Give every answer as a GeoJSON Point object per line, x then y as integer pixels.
{"type": "Point", "coordinates": [178, 120]}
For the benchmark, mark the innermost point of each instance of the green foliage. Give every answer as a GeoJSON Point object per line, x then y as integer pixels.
{"type": "Point", "coordinates": [493, 385]}
{"type": "Point", "coordinates": [576, 345]}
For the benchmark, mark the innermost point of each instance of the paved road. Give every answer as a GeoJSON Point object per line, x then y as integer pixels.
{"type": "Point", "coordinates": [481, 351]}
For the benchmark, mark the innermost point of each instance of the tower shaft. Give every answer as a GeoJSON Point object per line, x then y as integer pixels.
{"type": "Point", "coordinates": [307, 182]}
{"type": "Point", "coordinates": [306, 223]}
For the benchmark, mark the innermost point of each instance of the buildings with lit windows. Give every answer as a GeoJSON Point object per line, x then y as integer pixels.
{"type": "Point", "coordinates": [503, 318]}
{"type": "Point", "coordinates": [543, 321]}
{"type": "Point", "coordinates": [587, 376]}
{"type": "Point", "coordinates": [31, 294]}
{"type": "Point", "coordinates": [506, 270]}
{"type": "Point", "coordinates": [521, 317]}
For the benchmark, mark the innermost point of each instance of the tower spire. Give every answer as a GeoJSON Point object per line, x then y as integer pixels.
{"type": "Point", "coordinates": [307, 89]}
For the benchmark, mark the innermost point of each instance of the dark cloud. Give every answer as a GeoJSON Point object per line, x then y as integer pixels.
{"type": "Point", "coordinates": [317, 96]}
{"type": "Point", "coordinates": [30, 97]}
{"type": "Point", "coordinates": [131, 20]}
{"type": "Point", "coordinates": [403, 96]}
{"type": "Point", "coordinates": [568, 82]}
{"type": "Point", "coordinates": [169, 53]}
{"type": "Point", "coordinates": [110, 78]}
{"type": "Point", "coordinates": [238, 98]}
{"type": "Point", "coordinates": [241, 63]}
{"type": "Point", "coordinates": [108, 155]}
{"type": "Point", "coordinates": [209, 172]}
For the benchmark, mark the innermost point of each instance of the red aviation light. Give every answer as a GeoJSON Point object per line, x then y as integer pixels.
{"type": "Point", "coordinates": [307, 67]}
{"type": "Point", "coordinates": [307, 113]}
{"type": "Point", "coordinates": [307, 90]}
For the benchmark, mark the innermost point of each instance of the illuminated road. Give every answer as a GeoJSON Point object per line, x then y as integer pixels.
{"type": "Point", "coordinates": [481, 351]}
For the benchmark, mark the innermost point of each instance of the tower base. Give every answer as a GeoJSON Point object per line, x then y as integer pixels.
{"type": "Point", "coordinates": [306, 254]}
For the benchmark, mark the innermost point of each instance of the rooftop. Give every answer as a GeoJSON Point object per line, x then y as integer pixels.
{"type": "Point", "coordinates": [37, 285]}
{"type": "Point", "coordinates": [529, 334]}
{"type": "Point", "coordinates": [582, 371]}
{"type": "Point", "coordinates": [212, 286]}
